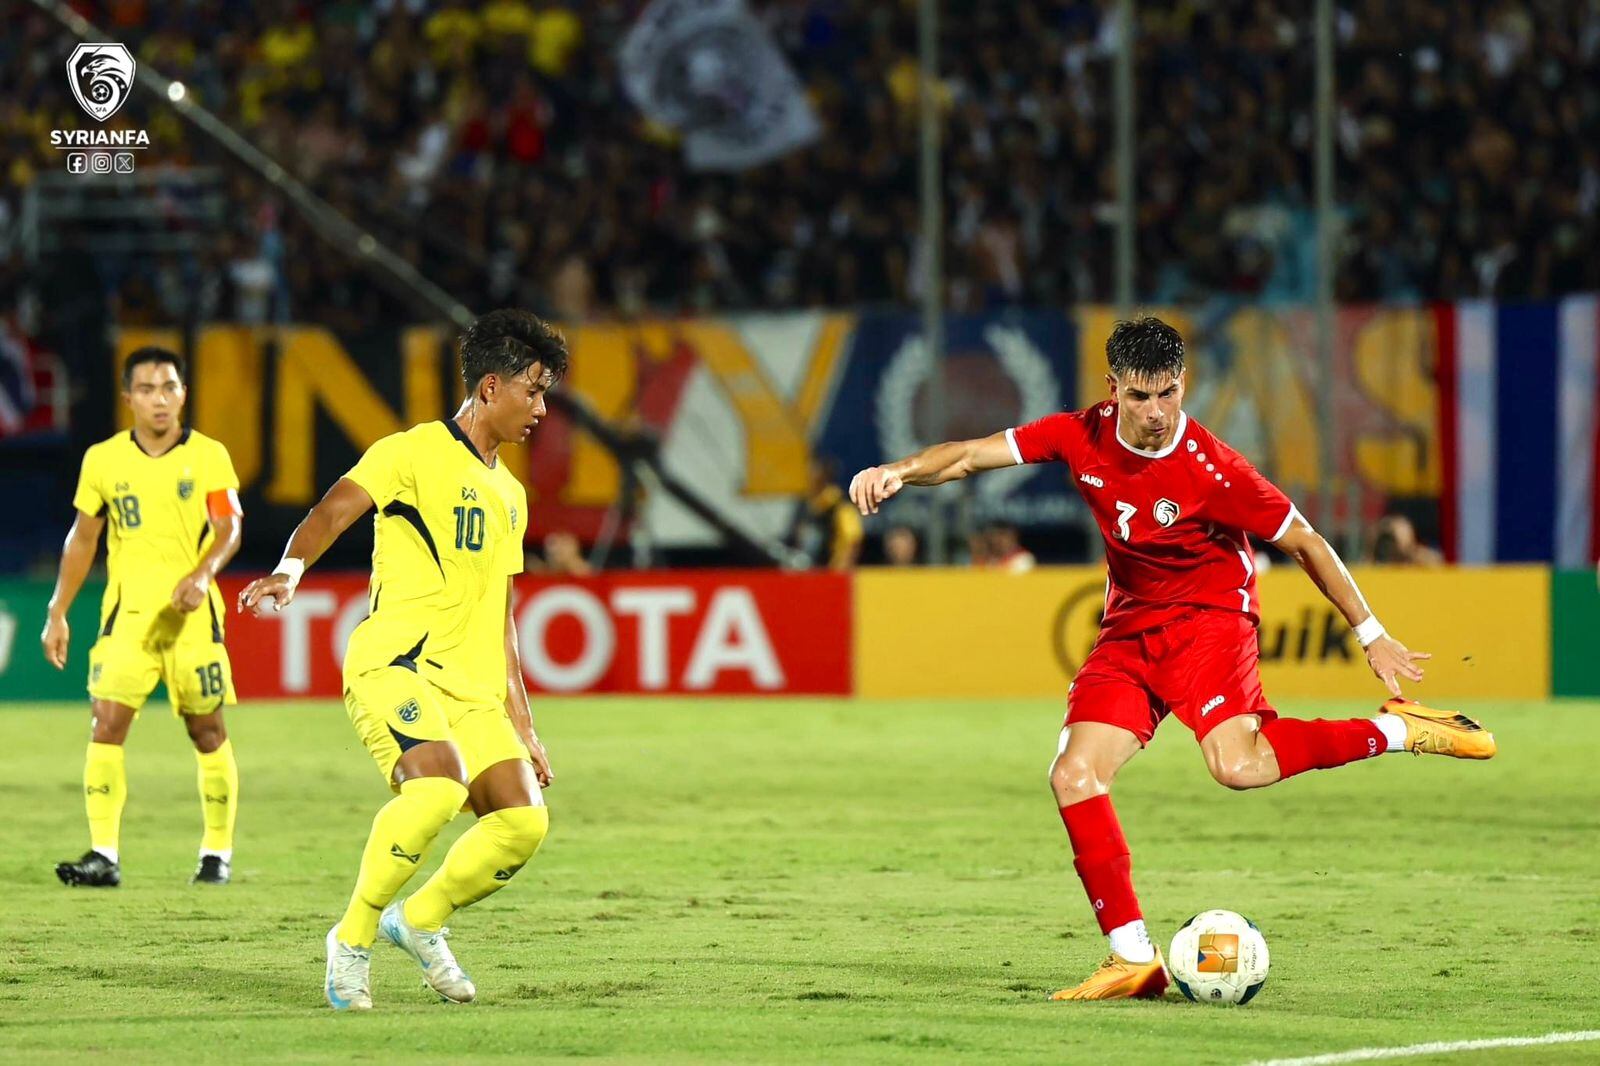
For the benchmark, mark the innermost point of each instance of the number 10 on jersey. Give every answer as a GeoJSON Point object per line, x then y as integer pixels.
{"type": "Point", "coordinates": [469, 528]}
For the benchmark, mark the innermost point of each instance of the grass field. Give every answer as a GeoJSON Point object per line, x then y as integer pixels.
{"type": "Point", "coordinates": [811, 881]}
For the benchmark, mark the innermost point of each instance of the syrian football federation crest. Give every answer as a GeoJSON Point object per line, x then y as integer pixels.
{"type": "Point", "coordinates": [408, 712]}
{"type": "Point", "coordinates": [101, 76]}
{"type": "Point", "coordinates": [185, 488]}
{"type": "Point", "coordinates": [1166, 512]}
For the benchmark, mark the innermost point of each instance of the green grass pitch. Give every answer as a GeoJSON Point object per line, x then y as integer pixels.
{"type": "Point", "coordinates": [809, 881]}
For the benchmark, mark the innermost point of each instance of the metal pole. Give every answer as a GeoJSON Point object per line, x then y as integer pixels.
{"type": "Point", "coordinates": [1127, 193]}
{"type": "Point", "coordinates": [1326, 233]}
{"type": "Point", "coordinates": [932, 252]}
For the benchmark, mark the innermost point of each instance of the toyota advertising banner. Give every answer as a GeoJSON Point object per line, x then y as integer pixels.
{"type": "Point", "coordinates": [723, 632]}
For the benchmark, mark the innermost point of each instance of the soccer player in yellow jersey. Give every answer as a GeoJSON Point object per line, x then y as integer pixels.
{"type": "Point", "coordinates": [170, 498]}
{"type": "Point", "coordinates": [432, 679]}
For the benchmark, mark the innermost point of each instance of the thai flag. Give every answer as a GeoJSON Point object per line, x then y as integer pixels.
{"type": "Point", "coordinates": [17, 395]}
{"type": "Point", "coordinates": [1519, 436]}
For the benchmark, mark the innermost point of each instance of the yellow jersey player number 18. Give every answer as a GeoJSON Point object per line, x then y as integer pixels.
{"type": "Point", "coordinates": [432, 679]}
{"type": "Point", "coordinates": [167, 497]}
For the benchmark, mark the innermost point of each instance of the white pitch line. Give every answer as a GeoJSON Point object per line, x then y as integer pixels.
{"type": "Point", "coordinates": [1438, 1047]}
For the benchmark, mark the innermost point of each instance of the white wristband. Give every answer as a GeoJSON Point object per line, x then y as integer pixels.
{"type": "Point", "coordinates": [291, 568]}
{"type": "Point", "coordinates": [1366, 632]}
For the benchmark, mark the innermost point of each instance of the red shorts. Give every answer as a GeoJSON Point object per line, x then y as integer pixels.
{"type": "Point", "coordinates": [1201, 668]}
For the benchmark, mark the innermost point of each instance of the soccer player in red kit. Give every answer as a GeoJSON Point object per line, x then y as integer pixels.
{"type": "Point", "coordinates": [1176, 507]}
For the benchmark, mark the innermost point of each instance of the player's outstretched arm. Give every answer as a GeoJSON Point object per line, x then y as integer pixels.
{"type": "Point", "coordinates": [333, 514]}
{"type": "Point", "coordinates": [517, 701]}
{"type": "Point", "coordinates": [950, 461]}
{"type": "Point", "coordinates": [77, 555]}
{"type": "Point", "coordinates": [1390, 660]}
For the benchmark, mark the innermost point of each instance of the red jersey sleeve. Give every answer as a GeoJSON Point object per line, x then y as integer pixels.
{"type": "Point", "coordinates": [1243, 499]}
{"type": "Point", "coordinates": [1045, 440]}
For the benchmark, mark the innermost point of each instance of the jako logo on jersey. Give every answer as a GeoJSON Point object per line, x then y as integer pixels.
{"type": "Point", "coordinates": [1090, 479]}
{"type": "Point", "coordinates": [1212, 704]}
{"type": "Point", "coordinates": [1166, 512]}
{"type": "Point", "coordinates": [408, 711]}
{"type": "Point", "coordinates": [1105, 412]}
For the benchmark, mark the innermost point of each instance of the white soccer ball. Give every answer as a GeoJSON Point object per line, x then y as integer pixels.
{"type": "Point", "coordinates": [1219, 957]}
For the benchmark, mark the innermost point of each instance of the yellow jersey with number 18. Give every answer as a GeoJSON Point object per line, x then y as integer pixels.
{"type": "Point", "coordinates": [157, 525]}
{"type": "Point", "coordinates": [447, 534]}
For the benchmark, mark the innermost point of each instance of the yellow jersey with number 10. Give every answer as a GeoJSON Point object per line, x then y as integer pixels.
{"type": "Point", "coordinates": [447, 534]}
{"type": "Point", "coordinates": [157, 526]}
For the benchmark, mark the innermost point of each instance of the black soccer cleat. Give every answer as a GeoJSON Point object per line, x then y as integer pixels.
{"type": "Point", "coordinates": [213, 870]}
{"type": "Point", "coordinates": [94, 870]}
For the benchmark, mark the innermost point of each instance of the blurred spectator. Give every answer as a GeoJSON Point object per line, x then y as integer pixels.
{"type": "Point", "coordinates": [1468, 149]}
{"type": "Point", "coordinates": [1394, 540]}
{"type": "Point", "coordinates": [564, 555]}
{"type": "Point", "coordinates": [900, 546]}
{"type": "Point", "coordinates": [827, 527]}
{"type": "Point", "coordinates": [1005, 549]}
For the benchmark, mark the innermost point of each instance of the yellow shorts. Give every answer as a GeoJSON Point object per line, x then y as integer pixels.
{"type": "Point", "coordinates": [393, 709]}
{"type": "Point", "coordinates": [124, 667]}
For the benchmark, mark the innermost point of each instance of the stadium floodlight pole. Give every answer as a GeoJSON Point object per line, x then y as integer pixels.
{"type": "Point", "coordinates": [1328, 423]}
{"type": "Point", "coordinates": [1127, 191]}
{"type": "Point", "coordinates": [932, 251]}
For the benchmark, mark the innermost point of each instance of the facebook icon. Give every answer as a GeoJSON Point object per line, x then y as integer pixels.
{"type": "Point", "coordinates": [78, 163]}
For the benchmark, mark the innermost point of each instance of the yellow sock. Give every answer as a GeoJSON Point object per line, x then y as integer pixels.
{"type": "Point", "coordinates": [105, 790]}
{"type": "Point", "coordinates": [219, 798]}
{"type": "Point", "coordinates": [481, 862]}
{"type": "Point", "coordinates": [401, 833]}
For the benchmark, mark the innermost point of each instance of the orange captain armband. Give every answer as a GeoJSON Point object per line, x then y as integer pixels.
{"type": "Point", "coordinates": [222, 503]}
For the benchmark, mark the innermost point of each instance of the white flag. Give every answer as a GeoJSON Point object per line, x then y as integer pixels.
{"type": "Point", "coordinates": [708, 69]}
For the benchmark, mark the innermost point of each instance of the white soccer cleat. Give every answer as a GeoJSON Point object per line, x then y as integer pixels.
{"type": "Point", "coordinates": [349, 983]}
{"type": "Point", "coordinates": [439, 967]}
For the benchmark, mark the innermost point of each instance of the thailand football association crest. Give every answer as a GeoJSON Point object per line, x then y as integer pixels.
{"type": "Point", "coordinates": [408, 712]}
{"type": "Point", "coordinates": [185, 488]}
{"type": "Point", "coordinates": [1166, 512]}
{"type": "Point", "coordinates": [101, 76]}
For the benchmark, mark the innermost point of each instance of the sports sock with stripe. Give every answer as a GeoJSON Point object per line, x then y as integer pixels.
{"type": "Point", "coordinates": [481, 862]}
{"type": "Point", "coordinates": [1100, 855]}
{"type": "Point", "coordinates": [401, 833]}
{"type": "Point", "coordinates": [217, 775]}
{"type": "Point", "coordinates": [105, 791]}
{"type": "Point", "coordinates": [1302, 744]}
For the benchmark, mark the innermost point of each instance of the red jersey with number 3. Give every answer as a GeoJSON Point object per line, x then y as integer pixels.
{"type": "Point", "coordinates": [1174, 520]}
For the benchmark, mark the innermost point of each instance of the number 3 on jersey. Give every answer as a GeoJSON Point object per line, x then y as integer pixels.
{"type": "Point", "coordinates": [469, 528]}
{"type": "Point", "coordinates": [1125, 511]}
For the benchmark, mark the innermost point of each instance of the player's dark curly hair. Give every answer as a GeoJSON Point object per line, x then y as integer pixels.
{"type": "Point", "coordinates": [149, 354]}
{"type": "Point", "coordinates": [508, 342]}
{"type": "Point", "coordinates": [1144, 347]}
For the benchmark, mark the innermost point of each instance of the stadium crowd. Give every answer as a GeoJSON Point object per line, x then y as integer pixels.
{"type": "Point", "coordinates": [493, 146]}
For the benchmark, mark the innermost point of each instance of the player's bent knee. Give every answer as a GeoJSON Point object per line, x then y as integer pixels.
{"type": "Point", "coordinates": [439, 798]}
{"type": "Point", "coordinates": [1073, 780]}
{"type": "Point", "coordinates": [1240, 776]}
{"type": "Point", "coordinates": [522, 829]}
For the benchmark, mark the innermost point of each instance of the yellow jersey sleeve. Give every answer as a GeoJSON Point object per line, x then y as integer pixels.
{"type": "Point", "coordinates": [89, 498]}
{"type": "Point", "coordinates": [384, 469]}
{"type": "Point", "coordinates": [511, 554]}
{"type": "Point", "coordinates": [221, 474]}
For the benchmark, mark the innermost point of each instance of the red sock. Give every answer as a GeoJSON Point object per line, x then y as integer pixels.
{"type": "Point", "coordinates": [1101, 859]}
{"type": "Point", "coordinates": [1320, 744]}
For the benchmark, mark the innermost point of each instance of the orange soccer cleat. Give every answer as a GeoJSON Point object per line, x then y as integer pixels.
{"type": "Point", "coordinates": [1435, 732]}
{"type": "Point", "coordinates": [1117, 978]}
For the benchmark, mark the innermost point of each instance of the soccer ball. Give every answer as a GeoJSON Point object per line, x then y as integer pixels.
{"type": "Point", "coordinates": [1218, 957]}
